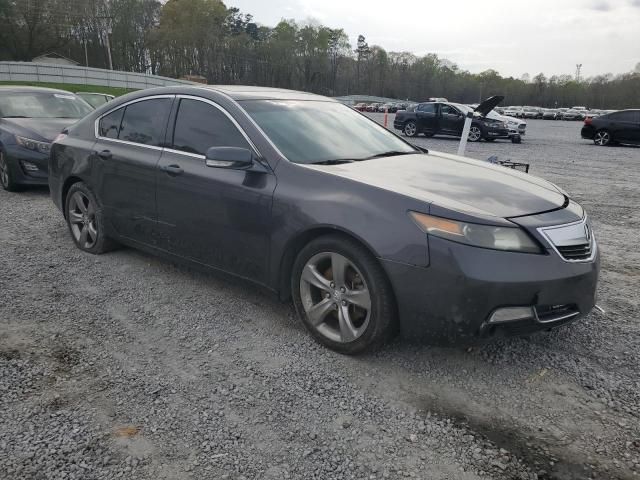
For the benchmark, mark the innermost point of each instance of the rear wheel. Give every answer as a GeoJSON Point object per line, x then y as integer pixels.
{"type": "Point", "coordinates": [342, 295]}
{"type": "Point", "coordinates": [86, 221]}
{"type": "Point", "coordinates": [410, 129]}
{"type": "Point", "coordinates": [6, 176]}
{"type": "Point", "coordinates": [602, 138]}
{"type": "Point", "coordinates": [475, 134]}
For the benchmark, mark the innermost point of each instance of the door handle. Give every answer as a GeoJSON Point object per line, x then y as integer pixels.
{"type": "Point", "coordinates": [105, 154]}
{"type": "Point", "coordinates": [173, 170]}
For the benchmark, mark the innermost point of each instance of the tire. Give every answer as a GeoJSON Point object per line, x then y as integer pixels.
{"type": "Point", "coordinates": [86, 220]}
{"type": "Point", "coordinates": [602, 138]}
{"type": "Point", "coordinates": [410, 129]}
{"type": "Point", "coordinates": [475, 134]}
{"type": "Point", "coordinates": [337, 318]}
{"type": "Point", "coordinates": [6, 176]}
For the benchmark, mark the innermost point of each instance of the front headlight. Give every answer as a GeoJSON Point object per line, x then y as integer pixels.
{"type": "Point", "coordinates": [35, 145]}
{"type": "Point", "coordinates": [511, 239]}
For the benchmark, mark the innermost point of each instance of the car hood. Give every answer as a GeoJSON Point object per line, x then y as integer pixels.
{"type": "Point", "coordinates": [43, 129]}
{"type": "Point", "coordinates": [456, 183]}
{"type": "Point", "coordinates": [489, 104]}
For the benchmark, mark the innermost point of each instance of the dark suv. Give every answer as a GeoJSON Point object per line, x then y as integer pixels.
{"type": "Point", "coordinates": [616, 127]}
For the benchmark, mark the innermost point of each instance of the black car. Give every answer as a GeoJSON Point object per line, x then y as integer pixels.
{"type": "Point", "coordinates": [439, 118]}
{"type": "Point", "coordinates": [30, 118]}
{"type": "Point", "coordinates": [313, 200]}
{"type": "Point", "coordinates": [618, 127]}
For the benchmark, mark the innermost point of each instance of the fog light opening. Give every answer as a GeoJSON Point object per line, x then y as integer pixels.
{"type": "Point", "coordinates": [29, 167]}
{"type": "Point", "coordinates": [511, 314]}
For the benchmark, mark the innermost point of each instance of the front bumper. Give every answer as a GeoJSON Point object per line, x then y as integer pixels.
{"type": "Point", "coordinates": [19, 158]}
{"type": "Point", "coordinates": [492, 132]}
{"type": "Point", "coordinates": [453, 299]}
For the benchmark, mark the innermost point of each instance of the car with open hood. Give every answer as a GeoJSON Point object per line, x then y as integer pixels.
{"type": "Point", "coordinates": [30, 119]}
{"type": "Point", "coordinates": [366, 233]}
{"type": "Point", "coordinates": [445, 118]}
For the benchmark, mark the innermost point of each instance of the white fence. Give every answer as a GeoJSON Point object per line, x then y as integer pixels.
{"type": "Point", "coordinates": [54, 73]}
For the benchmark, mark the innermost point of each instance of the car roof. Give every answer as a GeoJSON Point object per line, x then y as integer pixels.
{"type": "Point", "coordinates": [242, 92]}
{"type": "Point", "coordinates": [22, 89]}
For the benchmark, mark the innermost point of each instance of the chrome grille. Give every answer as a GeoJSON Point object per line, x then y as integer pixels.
{"type": "Point", "coordinates": [576, 252]}
{"type": "Point", "coordinates": [574, 242]}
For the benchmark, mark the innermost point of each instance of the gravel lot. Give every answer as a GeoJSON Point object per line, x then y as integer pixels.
{"type": "Point", "coordinates": [127, 366]}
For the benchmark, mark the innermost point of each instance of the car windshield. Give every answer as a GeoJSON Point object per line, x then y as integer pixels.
{"type": "Point", "coordinates": [94, 99]}
{"type": "Point", "coordinates": [320, 131]}
{"type": "Point", "coordinates": [42, 105]}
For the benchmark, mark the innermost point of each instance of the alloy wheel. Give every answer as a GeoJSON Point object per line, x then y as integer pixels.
{"type": "Point", "coordinates": [4, 171]}
{"type": "Point", "coordinates": [602, 138]}
{"type": "Point", "coordinates": [474, 134]}
{"type": "Point", "coordinates": [335, 297]}
{"type": "Point", "coordinates": [410, 129]}
{"type": "Point", "coordinates": [82, 218]}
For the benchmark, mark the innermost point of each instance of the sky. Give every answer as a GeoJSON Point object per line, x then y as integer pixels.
{"type": "Point", "coordinates": [513, 37]}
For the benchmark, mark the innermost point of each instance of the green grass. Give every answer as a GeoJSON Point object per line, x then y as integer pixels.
{"type": "Point", "coordinates": [70, 87]}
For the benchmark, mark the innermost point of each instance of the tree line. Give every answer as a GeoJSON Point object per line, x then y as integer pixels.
{"type": "Point", "coordinates": [226, 46]}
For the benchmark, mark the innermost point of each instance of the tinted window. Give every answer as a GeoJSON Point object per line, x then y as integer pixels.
{"type": "Point", "coordinates": [427, 108]}
{"type": "Point", "coordinates": [629, 116]}
{"type": "Point", "coordinates": [200, 126]}
{"type": "Point", "coordinates": [110, 124]}
{"type": "Point", "coordinates": [145, 121]}
{"type": "Point", "coordinates": [449, 110]}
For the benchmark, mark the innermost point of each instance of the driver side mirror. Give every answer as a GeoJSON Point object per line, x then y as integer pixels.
{"type": "Point", "coordinates": [229, 157]}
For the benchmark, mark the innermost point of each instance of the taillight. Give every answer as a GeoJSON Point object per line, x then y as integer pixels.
{"type": "Point", "coordinates": [588, 120]}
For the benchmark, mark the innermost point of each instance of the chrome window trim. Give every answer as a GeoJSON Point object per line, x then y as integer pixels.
{"type": "Point", "coordinates": [226, 113]}
{"type": "Point", "coordinates": [96, 125]}
{"type": "Point", "coordinates": [251, 120]}
{"type": "Point", "coordinates": [593, 245]}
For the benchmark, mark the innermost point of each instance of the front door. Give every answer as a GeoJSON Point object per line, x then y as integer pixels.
{"type": "Point", "coordinates": [451, 120]}
{"type": "Point", "coordinates": [219, 217]}
{"type": "Point", "coordinates": [128, 149]}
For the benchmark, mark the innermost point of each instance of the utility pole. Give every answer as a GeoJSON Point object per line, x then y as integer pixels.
{"type": "Point", "coordinates": [578, 69]}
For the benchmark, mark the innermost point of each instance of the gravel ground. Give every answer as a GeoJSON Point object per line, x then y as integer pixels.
{"type": "Point", "coordinates": [128, 366]}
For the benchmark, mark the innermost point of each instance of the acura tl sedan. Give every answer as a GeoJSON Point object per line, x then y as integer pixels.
{"type": "Point", "coordinates": [366, 233]}
{"type": "Point", "coordinates": [30, 118]}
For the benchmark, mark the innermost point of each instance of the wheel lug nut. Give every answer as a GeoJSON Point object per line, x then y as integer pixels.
{"type": "Point", "coordinates": [344, 303]}
{"type": "Point", "coordinates": [327, 295]}
{"type": "Point", "coordinates": [332, 285]}
{"type": "Point", "coordinates": [342, 290]}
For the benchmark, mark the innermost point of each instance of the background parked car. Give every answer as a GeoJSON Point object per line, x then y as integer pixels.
{"type": "Point", "coordinates": [95, 99]}
{"type": "Point", "coordinates": [30, 119]}
{"type": "Point", "coordinates": [437, 118]}
{"type": "Point", "coordinates": [572, 114]}
{"type": "Point", "coordinates": [517, 112]}
{"type": "Point", "coordinates": [531, 112]}
{"type": "Point", "coordinates": [361, 107]}
{"type": "Point", "coordinates": [550, 114]}
{"type": "Point", "coordinates": [516, 126]}
{"type": "Point", "coordinates": [618, 127]}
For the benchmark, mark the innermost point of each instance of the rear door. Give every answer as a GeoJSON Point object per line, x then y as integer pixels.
{"type": "Point", "coordinates": [451, 120]}
{"type": "Point", "coordinates": [427, 117]}
{"type": "Point", "coordinates": [129, 144]}
{"type": "Point", "coordinates": [219, 217]}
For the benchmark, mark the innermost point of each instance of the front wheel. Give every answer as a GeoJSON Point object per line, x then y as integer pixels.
{"type": "Point", "coordinates": [86, 221]}
{"type": "Point", "coordinates": [475, 134]}
{"type": "Point", "coordinates": [410, 129]}
{"type": "Point", "coordinates": [343, 296]}
{"type": "Point", "coordinates": [602, 138]}
{"type": "Point", "coordinates": [6, 176]}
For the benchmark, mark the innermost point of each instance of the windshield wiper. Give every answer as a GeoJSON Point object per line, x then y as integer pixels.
{"type": "Point", "coordinates": [332, 162]}
{"type": "Point", "coordinates": [390, 153]}
{"type": "Point", "coordinates": [14, 116]}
